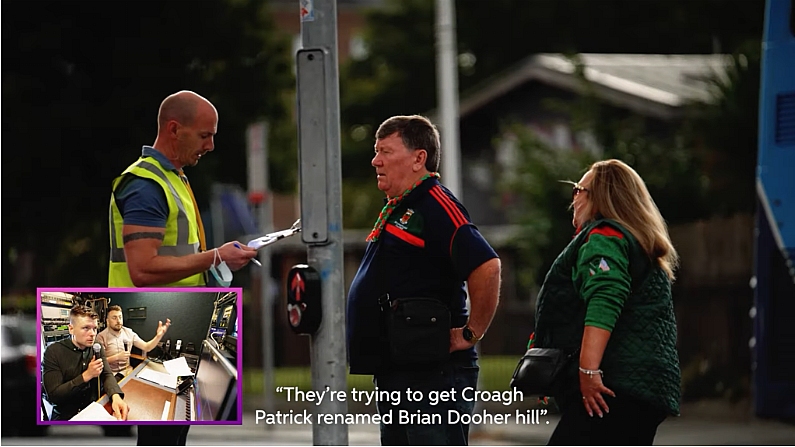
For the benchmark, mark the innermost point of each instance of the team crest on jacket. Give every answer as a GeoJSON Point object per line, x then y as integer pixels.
{"type": "Point", "coordinates": [601, 266]}
{"type": "Point", "coordinates": [406, 216]}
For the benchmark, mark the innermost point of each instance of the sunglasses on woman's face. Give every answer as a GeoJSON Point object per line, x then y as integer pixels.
{"type": "Point", "coordinates": [575, 191]}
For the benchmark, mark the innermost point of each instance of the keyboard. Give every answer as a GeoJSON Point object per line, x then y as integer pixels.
{"type": "Point", "coordinates": [186, 406]}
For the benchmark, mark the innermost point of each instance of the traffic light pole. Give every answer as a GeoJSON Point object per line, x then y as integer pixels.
{"type": "Point", "coordinates": [321, 203]}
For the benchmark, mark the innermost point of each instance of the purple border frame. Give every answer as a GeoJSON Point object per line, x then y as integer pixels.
{"type": "Point", "coordinates": [239, 354]}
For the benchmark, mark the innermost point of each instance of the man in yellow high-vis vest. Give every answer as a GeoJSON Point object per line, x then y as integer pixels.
{"type": "Point", "coordinates": [156, 232]}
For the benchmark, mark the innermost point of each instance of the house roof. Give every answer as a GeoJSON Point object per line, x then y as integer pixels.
{"type": "Point", "coordinates": [651, 84]}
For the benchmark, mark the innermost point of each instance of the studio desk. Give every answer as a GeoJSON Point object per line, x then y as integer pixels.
{"type": "Point", "coordinates": [147, 400]}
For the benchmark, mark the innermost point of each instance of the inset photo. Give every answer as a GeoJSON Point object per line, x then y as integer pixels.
{"type": "Point", "coordinates": [139, 356]}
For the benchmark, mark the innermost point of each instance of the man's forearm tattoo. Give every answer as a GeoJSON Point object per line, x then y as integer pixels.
{"type": "Point", "coordinates": [143, 235]}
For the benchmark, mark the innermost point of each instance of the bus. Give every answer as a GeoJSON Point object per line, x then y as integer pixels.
{"type": "Point", "coordinates": [773, 342]}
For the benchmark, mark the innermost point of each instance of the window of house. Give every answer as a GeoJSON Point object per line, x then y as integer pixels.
{"type": "Point", "coordinates": [507, 156]}
{"type": "Point", "coordinates": [561, 135]}
{"type": "Point", "coordinates": [480, 175]}
{"type": "Point", "coordinates": [586, 140]}
{"type": "Point", "coordinates": [357, 48]}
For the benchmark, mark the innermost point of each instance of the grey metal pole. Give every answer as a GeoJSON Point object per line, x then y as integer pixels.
{"type": "Point", "coordinates": [447, 86]}
{"type": "Point", "coordinates": [266, 295]}
{"type": "Point", "coordinates": [258, 184]}
{"type": "Point", "coordinates": [328, 350]}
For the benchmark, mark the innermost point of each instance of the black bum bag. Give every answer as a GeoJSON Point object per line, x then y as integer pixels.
{"type": "Point", "coordinates": [418, 330]}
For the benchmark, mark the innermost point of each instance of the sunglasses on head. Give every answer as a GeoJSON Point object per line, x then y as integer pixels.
{"type": "Point", "coordinates": [576, 189]}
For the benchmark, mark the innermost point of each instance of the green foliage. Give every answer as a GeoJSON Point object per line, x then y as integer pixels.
{"type": "Point", "coordinates": [540, 200]}
{"type": "Point", "coordinates": [24, 304]}
{"type": "Point", "coordinates": [725, 133]}
{"type": "Point", "coordinates": [396, 79]}
{"type": "Point", "coordinates": [698, 167]}
{"type": "Point", "coordinates": [668, 166]}
{"type": "Point", "coordinates": [661, 155]}
{"type": "Point", "coordinates": [361, 202]}
{"type": "Point", "coordinates": [84, 82]}
{"type": "Point", "coordinates": [399, 74]}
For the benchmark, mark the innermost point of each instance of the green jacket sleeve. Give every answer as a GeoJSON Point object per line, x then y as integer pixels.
{"type": "Point", "coordinates": [602, 276]}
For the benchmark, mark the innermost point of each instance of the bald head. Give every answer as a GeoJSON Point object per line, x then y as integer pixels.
{"type": "Point", "coordinates": [181, 107]}
{"type": "Point", "coordinates": [186, 126]}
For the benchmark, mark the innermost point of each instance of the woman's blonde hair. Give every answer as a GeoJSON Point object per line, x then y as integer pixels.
{"type": "Point", "coordinates": [617, 192]}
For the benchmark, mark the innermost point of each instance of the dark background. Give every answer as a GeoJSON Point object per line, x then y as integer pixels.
{"type": "Point", "coordinates": [82, 81]}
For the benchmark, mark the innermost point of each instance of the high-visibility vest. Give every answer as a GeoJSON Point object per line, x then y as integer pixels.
{"type": "Point", "coordinates": [182, 233]}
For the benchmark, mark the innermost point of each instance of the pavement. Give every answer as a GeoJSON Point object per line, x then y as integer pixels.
{"type": "Point", "coordinates": [702, 423]}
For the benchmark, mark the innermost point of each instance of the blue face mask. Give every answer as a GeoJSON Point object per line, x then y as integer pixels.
{"type": "Point", "coordinates": [221, 272]}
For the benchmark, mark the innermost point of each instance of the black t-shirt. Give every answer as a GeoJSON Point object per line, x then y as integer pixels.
{"type": "Point", "coordinates": [62, 381]}
{"type": "Point", "coordinates": [428, 248]}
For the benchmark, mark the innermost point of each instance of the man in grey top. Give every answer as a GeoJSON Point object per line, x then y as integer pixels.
{"type": "Point", "coordinates": [118, 340]}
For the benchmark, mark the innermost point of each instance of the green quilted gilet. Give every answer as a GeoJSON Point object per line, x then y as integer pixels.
{"type": "Point", "coordinates": [641, 358]}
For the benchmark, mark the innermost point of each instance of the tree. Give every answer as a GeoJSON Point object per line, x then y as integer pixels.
{"type": "Point", "coordinates": [725, 132]}
{"type": "Point", "coordinates": [539, 202]}
{"type": "Point", "coordinates": [398, 75]}
{"type": "Point", "coordinates": [82, 84]}
{"type": "Point", "coordinates": [658, 152]}
{"type": "Point", "coordinates": [703, 166]}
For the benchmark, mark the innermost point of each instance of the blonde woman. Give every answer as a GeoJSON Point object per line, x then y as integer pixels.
{"type": "Point", "coordinates": [607, 299]}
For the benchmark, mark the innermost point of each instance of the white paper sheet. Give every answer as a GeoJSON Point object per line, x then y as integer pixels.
{"type": "Point", "coordinates": [164, 417]}
{"type": "Point", "coordinates": [273, 237]}
{"type": "Point", "coordinates": [262, 241]}
{"type": "Point", "coordinates": [93, 412]}
{"type": "Point", "coordinates": [166, 380]}
{"type": "Point", "coordinates": [178, 367]}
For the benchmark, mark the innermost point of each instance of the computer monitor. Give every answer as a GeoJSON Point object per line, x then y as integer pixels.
{"type": "Point", "coordinates": [230, 339]}
{"type": "Point", "coordinates": [216, 386]}
{"type": "Point", "coordinates": [224, 316]}
{"type": "Point", "coordinates": [227, 316]}
{"type": "Point", "coordinates": [216, 331]}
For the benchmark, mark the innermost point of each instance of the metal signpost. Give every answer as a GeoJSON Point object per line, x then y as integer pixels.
{"type": "Point", "coordinates": [320, 172]}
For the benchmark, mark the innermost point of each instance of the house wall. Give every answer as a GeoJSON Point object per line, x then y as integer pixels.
{"type": "Point", "coordinates": [531, 104]}
{"type": "Point", "coordinates": [478, 155]}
